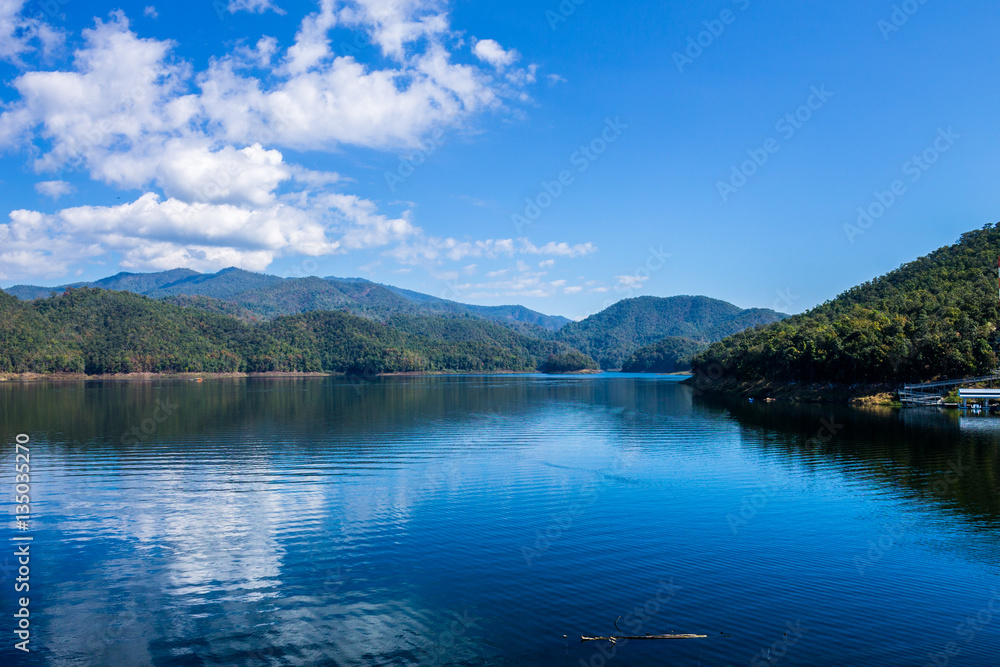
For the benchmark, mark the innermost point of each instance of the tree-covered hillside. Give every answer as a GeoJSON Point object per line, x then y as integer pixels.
{"type": "Point", "coordinates": [568, 362]}
{"type": "Point", "coordinates": [266, 297]}
{"type": "Point", "coordinates": [669, 355]}
{"type": "Point", "coordinates": [616, 332]}
{"type": "Point", "coordinates": [94, 331]}
{"type": "Point", "coordinates": [933, 318]}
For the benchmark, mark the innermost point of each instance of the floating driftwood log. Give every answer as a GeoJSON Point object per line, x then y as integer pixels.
{"type": "Point", "coordinates": [614, 638]}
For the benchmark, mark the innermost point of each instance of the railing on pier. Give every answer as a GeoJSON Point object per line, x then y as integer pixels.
{"type": "Point", "coordinates": [929, 393]}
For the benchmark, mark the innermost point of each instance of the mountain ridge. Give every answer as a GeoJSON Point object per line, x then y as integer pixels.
{"type": "Point", "coordinates": [934, 317]}
{"type": "Point", "coordinates": [268, 296]}
{"type": "Point", "coordinates": [621, 329]}
{"type": "Point", "coordinates": [609, 336]}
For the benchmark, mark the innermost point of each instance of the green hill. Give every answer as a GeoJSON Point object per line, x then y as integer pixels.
{"type": "Point", "coordinates": [933, 318]}
{"type": "Point", "coordinates": [266, 297]}
{"type": "Point", "coordinates": [669, 355]}
{"type": "Point", "coordinates": [95, 331]}
{"type": "Point", "coordinates": [613, 334]}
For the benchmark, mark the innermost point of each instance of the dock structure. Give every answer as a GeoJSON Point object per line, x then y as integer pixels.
{"type": "Point", "coordinates": [929, 393]}
{"type": "Point", "coordinates": [983, 395]}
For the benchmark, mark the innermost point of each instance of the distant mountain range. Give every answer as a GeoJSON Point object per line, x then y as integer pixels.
{"type": "Point", "coordinates": [266, 297]}
{"type": "Point", "coordinates": [431, 330]}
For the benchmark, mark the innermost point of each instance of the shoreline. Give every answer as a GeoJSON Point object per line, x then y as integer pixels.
{"type": "Point", "coordinates": [83, 377]}
{"type": "Point", "coordinates": [875, 394]}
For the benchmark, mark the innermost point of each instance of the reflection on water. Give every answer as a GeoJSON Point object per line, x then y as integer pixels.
{"type": "Point", "coordinates": [478, 520]}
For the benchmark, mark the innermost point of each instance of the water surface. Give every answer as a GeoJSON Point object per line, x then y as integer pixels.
{"type": "Point", "coordinates": [478, 520]}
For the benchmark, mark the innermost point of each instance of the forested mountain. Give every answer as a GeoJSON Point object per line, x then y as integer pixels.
{"type": "Point", "coordinates": [669, 355]}
{"type": "Point", "coordinates": [569, 362]}
{"type": "Point", "coordinates": [613, 334]}
{"type": "Point", "coordinates": [94, 331]}
{"type": "Point", "coordinates": [932, 318]}
{"type": "Point", "coordinates": [266, 297]}
{"type": "Point", "coordinates": [290, 325]}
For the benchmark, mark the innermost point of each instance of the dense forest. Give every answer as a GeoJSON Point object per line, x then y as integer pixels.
{"type": "Point", "coordinates": [933, 318]}
{"type": "Point", "coordinates": [568, 362]}
{"type": "Point", "coordinates": [95, 331]}
{"type": "Point", "coordinates": [670, 355]}
{"type": "Point", "coordinates": [405, 330]}
{"type": "Point", "coordinates": [613, 334]}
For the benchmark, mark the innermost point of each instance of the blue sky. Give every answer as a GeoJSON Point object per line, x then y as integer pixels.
{"type": "Point", "coordinates": [559, 155]}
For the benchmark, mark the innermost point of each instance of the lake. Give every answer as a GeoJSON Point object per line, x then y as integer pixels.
{"type": "Point", "coordinates": [493, 520]}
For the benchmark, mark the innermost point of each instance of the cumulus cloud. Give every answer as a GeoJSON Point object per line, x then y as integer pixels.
{"type": "Point", "coordinates": [394, 24]}
{"type": "Point", "coordinates": [20, 35]}
{"type": "Point", "coordinates": [631, 281]}
{"type": "Point", "coordinates": [432, 249]}
{"type": "Point", "coordinates": [54, 189]}
{"type": "Point", "coordinates": [558, 249]}
{"type": "Point", "coordinates": [127, 95]}
{"type": "Point", "coordinates": [152, 233]}
{"type": "Point", "coordinates": [490, 51]}
{"type": "Point", "coordinates": [193, 172]}
{"type": "Point", "coordinates": [110, 115]}
{"type": "Point", "coordinates": [253, 6]}
{"type": "Point", "coordinates": [209, 148]}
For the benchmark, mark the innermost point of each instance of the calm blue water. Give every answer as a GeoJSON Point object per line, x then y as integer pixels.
{"type": "Point", "coordinates": [493, 521]}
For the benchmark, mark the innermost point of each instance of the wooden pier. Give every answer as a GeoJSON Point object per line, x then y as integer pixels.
{"type": "Point", "coordinates": [929, 393]}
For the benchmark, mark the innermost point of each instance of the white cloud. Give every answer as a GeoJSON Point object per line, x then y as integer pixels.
{"type": "Point", "coordinates": [393, 24]}
{"type": "Point", "coordinates": [198, 232]}
{"type": "Point", "coordinates": [253, 6]}
{"type": "Point", "coordinates": [150, 12]}
{"type": "Point", "coordinates": [490, 51]}
{"type": "Point", "coordinates": [20, 35]}
{"type": "Point", "coordinates": [151, 233]}
{"type": "Point", "coordinates": [558, 249]}
{"type": "Point", "coordinates": [111, 115]}
{"type": "Point", "coordinates": [54, 189]}
{"type": "Point", "coordinates": [530, 285]}
{"type": "Point", "coordinates": [126, 96]}
{"type": "Point", "coordinates": [130, 114]}
{"type": "Point", "coordinates": [437, 249]}
{"type": "Point", "coordinates": [192, 172]}
{"type": "Point", "coordinates": [631, 281]}
{"type": "Point", "coordinates": [362, 226]}
{"type": "Point", "coordinates": [518, 281]}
